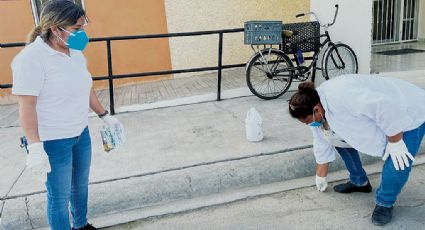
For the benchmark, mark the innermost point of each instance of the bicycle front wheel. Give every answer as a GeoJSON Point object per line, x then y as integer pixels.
{"type": "Point", "coordinates": [269, 74]}
{"type": "Point", "coordinates": [340, 60]}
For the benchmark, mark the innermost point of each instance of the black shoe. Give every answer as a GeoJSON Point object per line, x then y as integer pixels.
{"type": "Point", "coordinates": [381, 215]}
{"type": "Point", "coordinates": [87, 227]}
{"type": "Point", "coordinates": [349, 188]}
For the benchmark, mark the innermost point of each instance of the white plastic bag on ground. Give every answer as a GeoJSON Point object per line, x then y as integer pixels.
{"type": "Point", "coordinates": [254, 125]}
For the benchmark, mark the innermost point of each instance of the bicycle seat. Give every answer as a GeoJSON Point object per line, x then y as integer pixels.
{"type": "Point", "coordinates": [289, 33]}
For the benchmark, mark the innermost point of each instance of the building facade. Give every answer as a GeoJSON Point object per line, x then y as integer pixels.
{"type": "Point", "coordinates": [139, 17]}
{"type": "Point", "coordinates": [358, 24]}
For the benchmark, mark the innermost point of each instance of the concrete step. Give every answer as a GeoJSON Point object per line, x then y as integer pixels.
{"type": "Point", "coordinates": [128, 199]}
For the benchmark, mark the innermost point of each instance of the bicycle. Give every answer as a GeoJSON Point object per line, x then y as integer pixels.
{"type": "Point", "coordinates": [270, 71]}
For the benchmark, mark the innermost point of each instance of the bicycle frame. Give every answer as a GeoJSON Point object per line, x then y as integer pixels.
{"type": "Point", "coordinates": [270, 71]}
{"type": "Point", "coordinates": [300, 69]}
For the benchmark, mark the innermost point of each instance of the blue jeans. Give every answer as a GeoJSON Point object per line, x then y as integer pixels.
{"type": "Point", "coordinates": [392, 180]}
{"type": "Point", "coordinates": [354, 166]}
{"type": "Point", "coordinates": [70, 160]}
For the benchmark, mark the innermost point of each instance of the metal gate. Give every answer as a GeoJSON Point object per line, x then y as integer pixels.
{"type": "Point", "coordinates": [395, 21]}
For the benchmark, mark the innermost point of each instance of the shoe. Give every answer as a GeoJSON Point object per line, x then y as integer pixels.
{"type": "Point", "coordinates": [87, 227]}
{"type": "Point", "coordinates": [381, 215]}
{"type": "Point", "coordinates": [349, 188]}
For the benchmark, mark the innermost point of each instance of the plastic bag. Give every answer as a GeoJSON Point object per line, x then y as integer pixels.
{"type": "Point", "coordinates": [253, 125]}
{"type": "Point", "coordinates": [112, 139]}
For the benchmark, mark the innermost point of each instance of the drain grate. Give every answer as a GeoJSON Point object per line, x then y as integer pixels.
{"type": "Point", "coordinates": [400, 51]}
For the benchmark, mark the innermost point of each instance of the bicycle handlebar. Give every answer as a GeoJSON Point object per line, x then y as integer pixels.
{"type": "Point", "coordinates": [336, 13]}
{"type": "Point", "coordinates": [317, 18]}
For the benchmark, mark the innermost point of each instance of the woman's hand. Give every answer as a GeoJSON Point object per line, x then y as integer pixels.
{"type": "Point", "coordinates": [321, 183]}
{"type": "Point", "coordinates": [399, 154]}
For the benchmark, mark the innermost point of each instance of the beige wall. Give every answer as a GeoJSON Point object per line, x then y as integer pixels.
{"type": "Point", "coordinates": [134, 17]}
{"type": "Point", "coordinates": [200, 15]}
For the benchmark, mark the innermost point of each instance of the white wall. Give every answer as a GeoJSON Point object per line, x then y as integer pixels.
{"type": "Point", "coordinates": [353, 26]}
{"type": "Point", "coordinates": [421, 29]}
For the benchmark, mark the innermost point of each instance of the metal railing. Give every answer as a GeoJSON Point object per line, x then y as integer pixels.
{"type": "Point", "coordinates": [111, 76]}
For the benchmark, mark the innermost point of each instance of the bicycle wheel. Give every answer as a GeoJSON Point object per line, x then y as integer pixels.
{"type": "Point", "coordinates": [340, 60]}
{"type": "Point", "coordinates": [269, 73]}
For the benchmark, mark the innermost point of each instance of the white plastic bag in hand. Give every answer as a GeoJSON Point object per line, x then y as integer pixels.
{"type": "Point", "coordinates": [253, 125]}
{"type": "Point", "coordinates": [112, 133]}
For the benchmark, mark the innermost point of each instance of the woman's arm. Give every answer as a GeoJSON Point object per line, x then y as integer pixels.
{"type": "Point", "coordinates": [95, 103]}
{"type": "Point", "coordinates": [395, 138]}
{"type": "Point", "coordinates": [28, 117]}
{"type": "Point", "coordinates": [322, 169]}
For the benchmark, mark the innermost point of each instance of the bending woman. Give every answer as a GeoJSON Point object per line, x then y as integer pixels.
{"type": "Point", "coordinates": [378, 116]}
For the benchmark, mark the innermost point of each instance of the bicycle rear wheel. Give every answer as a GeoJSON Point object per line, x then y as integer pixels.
{"type": "Point", "coordinates": [269, 73]}
{"type": "Point", "coordinates": [340, 60]}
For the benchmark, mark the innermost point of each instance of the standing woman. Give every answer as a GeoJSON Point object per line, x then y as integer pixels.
{"type": "Point", "coordinates": [54, 89]}
{"type": "Point", "coordinates": [378, 116]}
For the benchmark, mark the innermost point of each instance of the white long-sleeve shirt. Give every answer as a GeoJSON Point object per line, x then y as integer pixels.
{"type": "Point", "coordinates": [363, 110]}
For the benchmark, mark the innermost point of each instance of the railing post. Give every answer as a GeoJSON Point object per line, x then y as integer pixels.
{"type": "Point", "coordinates": [220, 64]}
{"type": "Point", "coordinates": [111, 79]}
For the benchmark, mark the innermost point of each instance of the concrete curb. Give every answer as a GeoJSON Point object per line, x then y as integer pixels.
{"type": "Point", "coordinates": [228, 197]}
{"type": "Point", "coordinates": [124, 200]}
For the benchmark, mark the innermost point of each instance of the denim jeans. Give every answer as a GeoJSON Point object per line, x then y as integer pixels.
{"type": "Point", "coordinates": [392, 180]}
{"type": "Point", "coordinates": [354, 166]}
{"type": "Point", "coordinates": [67, 183]}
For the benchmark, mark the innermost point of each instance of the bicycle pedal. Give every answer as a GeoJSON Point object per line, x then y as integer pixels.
{"type": "Point", "coordinates": [303, 69]}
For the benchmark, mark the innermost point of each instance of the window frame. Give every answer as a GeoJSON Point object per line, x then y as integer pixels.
{"type": "Point", "coordinates": [36, 14]}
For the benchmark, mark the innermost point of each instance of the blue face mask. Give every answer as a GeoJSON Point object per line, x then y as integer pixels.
{"type": "Point", "coordinates": [77, 40]}
{"type": "Point", "coordinates": [316, 123]}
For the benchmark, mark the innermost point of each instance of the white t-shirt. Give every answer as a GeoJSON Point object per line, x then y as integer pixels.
{"type": "Point", "coordinates": [62, 85]}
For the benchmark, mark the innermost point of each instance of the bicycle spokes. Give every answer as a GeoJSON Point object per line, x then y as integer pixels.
{"type": "Point", "coordinates": [341, 60]}
{"type": "Point", "coordinates": [267, 74]}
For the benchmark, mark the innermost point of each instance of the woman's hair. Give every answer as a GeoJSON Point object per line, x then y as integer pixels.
{"type": "Point", "coordinates": [60, 13]}
{"type": "Point", "coordinates": [303, 101]}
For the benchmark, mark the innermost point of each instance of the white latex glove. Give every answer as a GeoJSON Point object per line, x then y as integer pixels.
{"type": "Point", "coordinates": [321, 183]}
{"type": "Point", "coordinates": [38, 161]}
{"type": "Point", "coordinates": [399, 153]}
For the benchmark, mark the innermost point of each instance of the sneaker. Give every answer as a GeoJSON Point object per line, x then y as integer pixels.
{"type": "Point", "coordinates": [87, 227]}
{"type": "Point", "coordinates": [381, 215]}
{"type": "Point", "coordinates": [349, 188]}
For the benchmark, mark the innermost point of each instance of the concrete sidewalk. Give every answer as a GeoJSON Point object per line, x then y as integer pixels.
{"type": "Point", "coordinates": [172, 154]}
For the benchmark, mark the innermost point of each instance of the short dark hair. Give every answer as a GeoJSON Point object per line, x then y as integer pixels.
{"type": "Point", "coordinates": [303, 101]}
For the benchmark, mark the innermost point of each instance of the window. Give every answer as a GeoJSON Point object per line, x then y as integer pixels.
{"type": "Point", "coordinates": [37, 6]}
